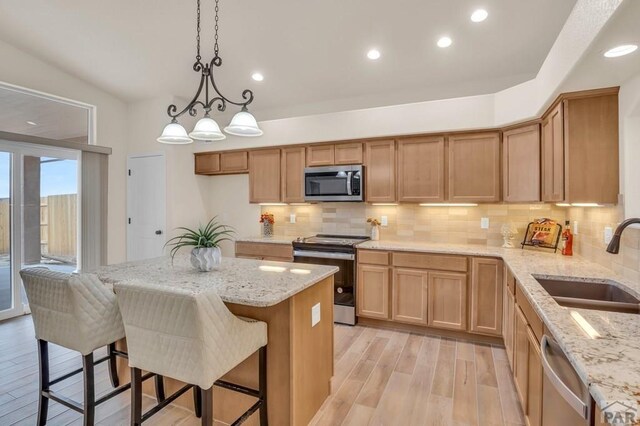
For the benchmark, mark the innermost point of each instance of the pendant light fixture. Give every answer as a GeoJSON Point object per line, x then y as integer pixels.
{"type": "Point", "coordinates": [206, 129]}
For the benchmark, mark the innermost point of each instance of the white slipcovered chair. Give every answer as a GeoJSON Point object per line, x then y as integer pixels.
{"type": "Point", "coordinates": [190, 336]}
{"type": "Point", "coordinates": [78, 312]}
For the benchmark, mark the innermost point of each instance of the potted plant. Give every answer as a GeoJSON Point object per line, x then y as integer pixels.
{"type": "Point", "coordinates": [205, 255]}
{"type": "Point", "coordinates": [375, 228]}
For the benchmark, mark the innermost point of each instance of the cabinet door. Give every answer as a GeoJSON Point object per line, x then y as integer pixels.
{"type": "Point", "coordinates": [553, 155]}
{"type": "Point", "coordinates": [380, 171]}
{"type": "Point", "coordinates": [293, 175]}
{"type": "Point", "coordinates": [409, 296]}
{"type": "Point", "coordinates": [421, 170]}
{"type": "Point", "coordinates": [508, 322]}
{"type": "Point", "coordinates": [234, 162]}
{"type": "Point", "coordinates": [348, 153]}
{"type": "Point", "coordinates": [447, 296]}
{"type": "Point", "coordinates": [474, 167]}
{"type": "Point", "coordinates": [206, 163]}
{"type": "Point", "coordinates": [534, 382]}
{"type": "Point", "coordinates": [264, 176]}
{"type": "Point", "coordinates": [521, 355]}
{"type": "Point", "coordinates": [373, 291]}
{"type": "Point", "coordinates": [486, 296]}
{"type": "Point", "coordinates": [320, 155]}
{"type": "Point", "coordinates": [521, 164]}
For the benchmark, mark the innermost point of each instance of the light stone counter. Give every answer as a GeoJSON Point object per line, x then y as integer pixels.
{"type": "Point", "coordinates": [609, 364]}
{"type": "Point", "coordinates": [240, 281]}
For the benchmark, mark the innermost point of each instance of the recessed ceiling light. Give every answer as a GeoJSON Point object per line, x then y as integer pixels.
{"type": "Point", "coordinates": [479, 15]}
{"type": "Point", "coordinates": [444, 42]}
{"type": "Point", "coordinates": [373, 54]}
{"type": "Point", "coordinates": [622, 50]}
{"type": "Point", "coordinates": [31, 123]}
{"type": "Point", "coordinates": [257, 76]}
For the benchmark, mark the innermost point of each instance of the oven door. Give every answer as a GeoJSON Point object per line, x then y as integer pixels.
{"type": "Point", "coordinates": [334, 183]}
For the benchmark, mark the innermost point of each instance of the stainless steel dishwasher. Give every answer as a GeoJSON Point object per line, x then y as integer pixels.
{"type": "Point", "coordinates": [566, 400]}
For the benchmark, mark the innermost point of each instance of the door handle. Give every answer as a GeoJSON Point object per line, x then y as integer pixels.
{"type": "Point", "coordinates": [159, 232]}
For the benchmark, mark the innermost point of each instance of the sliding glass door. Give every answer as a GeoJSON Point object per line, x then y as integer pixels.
{"type": "Point", "coordinates": [39, 216]}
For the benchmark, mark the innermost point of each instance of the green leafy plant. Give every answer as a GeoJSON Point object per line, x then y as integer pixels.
{"type": "Point", "coordinates": [210, 235]}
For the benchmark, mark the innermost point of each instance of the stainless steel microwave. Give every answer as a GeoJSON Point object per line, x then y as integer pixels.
{"type": "Point", "coordinates": [334, 183]}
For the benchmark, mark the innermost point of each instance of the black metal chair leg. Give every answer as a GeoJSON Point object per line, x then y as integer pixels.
{"type": "Point", "coordinates": [43, 401]}
{"type": "Point", "coordinates": [197, 401]}
{"type": "Point", "coordinates": [89, 390]}
{"type": "Point", "coordinates": [262, 383]}
{"type": "Point", "coordinates": [113, 368]}
{"type": "Point", "coordinates": [207, 407]}
{"type": "Point", "coordinates": [136, 397]}
{"type": "Point", "coordinates": [160, 395]}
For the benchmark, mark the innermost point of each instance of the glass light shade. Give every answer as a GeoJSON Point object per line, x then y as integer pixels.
{"type": "Point", "coordinates": [174, 133]}
{"type": "Point", "coordinates": [243, 124]}
{"type": "Point", "coordinates": [207, 130]}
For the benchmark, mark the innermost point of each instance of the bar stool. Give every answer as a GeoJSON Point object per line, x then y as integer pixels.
{"type": "Point", "coordinates": [190, 336]}
{"type": "Point", "coordinates": [78, 312]}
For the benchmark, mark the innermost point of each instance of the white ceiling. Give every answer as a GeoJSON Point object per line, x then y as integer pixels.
{"type": "Point", "coordinates": [312, 53]}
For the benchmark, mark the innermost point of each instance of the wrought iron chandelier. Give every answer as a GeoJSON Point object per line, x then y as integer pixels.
{"type": "Point", "coordinates": [206, 129]}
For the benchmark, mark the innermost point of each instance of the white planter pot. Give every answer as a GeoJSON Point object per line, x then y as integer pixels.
{"type": "Point", "coordinates": [375, 233]}
{"type": "Point", "coordinates": [206, 259]}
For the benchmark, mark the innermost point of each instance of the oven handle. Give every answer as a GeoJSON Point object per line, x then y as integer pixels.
{"type": "Point", "coordinates": [323, 255]}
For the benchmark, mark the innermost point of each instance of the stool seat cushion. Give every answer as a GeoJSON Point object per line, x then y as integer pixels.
{"type": "Point", "coordinates": [188, 336]}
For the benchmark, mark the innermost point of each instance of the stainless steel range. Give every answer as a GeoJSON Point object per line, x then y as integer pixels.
{"type": "Point", "coordinates": [340, 251]}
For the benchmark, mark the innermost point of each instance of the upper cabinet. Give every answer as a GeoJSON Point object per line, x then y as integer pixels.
{"type": "Point", "coordinates": [474, 167]}
{"type": "Point", "coordinates": [320, 155]}
{"type": "Point", "coordinates": [380, 171]}
{"type": "Point", "coordinates": [293, 175]}
{"type": "Point", "coordinates": [420, 176]}
{"type": "Point", "coordinates": [221, 163]}
{"type": "Point", "coordinates": [348, 153]}
{"type": "Point", "coordinates": [521, 164]}
{"type": "Point", "coordinates": [338, 154]}
{"type": "Point", "coordinates": [553, 155]}
{"type": "Point", "coordinates": [264, 176]}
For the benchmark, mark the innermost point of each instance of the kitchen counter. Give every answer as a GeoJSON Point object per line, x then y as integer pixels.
{"type": "Point", "coordinates": [610, 364]}
{"type": "Point", "coordinates": [241, 281]}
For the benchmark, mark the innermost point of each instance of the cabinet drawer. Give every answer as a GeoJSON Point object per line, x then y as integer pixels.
{"type": "Point", "coordinates": [373, 257]}
{"type": "Point", "coordinates": [265, 251]}
{"type": "Point", "coordinates": [532, 317]}
{"type": "Point", "coordinates": [430, 261]}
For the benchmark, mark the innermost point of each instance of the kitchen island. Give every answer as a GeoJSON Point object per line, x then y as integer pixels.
{"type": "Point", "coordinates": [299, 349]}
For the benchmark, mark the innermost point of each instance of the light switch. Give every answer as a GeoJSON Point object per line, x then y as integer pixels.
{"type": "Point", "coordinates": [292, 218]}
{"type": "Point", "coordinates": [315, 314]}
{"type": "Point", "coordinates": [384, 221]}
{"type": "Point", "coordinates": [608, 234]}
{"type": "Point", "coordinates": [484, 223]}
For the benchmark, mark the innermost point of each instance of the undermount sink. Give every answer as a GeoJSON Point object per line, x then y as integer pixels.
{"type": "Point", "coordinates": [598, 295]}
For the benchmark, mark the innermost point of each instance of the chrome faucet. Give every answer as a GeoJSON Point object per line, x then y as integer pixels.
{"type": "Point", "coordinates": [614, 244]}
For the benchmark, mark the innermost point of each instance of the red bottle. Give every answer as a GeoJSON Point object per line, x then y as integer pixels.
{"type": "Point", "coordinates": [567, 240]}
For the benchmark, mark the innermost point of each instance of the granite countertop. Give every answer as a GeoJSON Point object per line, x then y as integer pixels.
{"type": "Point", "coordinates": [276, 239]}
{"type": "Point", "coordinates": [610, 364]}
{"type": "Point", "coordinates": [241, 281]}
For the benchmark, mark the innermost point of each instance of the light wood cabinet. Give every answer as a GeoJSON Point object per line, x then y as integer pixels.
{"type": "Point", "coordinates": [234, 162]}
{"type": "Point", "coordinates": [486, 296]}
{"type": "Point", "coordinates": [320, 155]}
{"type": "Point", "coordinates": [348, 153]}
{"type": "Point", "coordinates": [207, 163]}
{"type": "Point", "coordinates": [372, 292]}
{"type": "Point", "coordinates": [421, 170]}
{"type": "Point", "coordinates": [534, 381]}
{"type": "Point", "coordinates": [409, 296]}
{"type": "Point", "coordinates": [447, 300]}
{"type": "Point", "coordinates": [221, 163]}
{"type": "Point", "coordinates": [264, 251]}
{"type": "Point", "coordinates": [521, 164]}
{"type": "Point", "coordinates": [293, 161]}
{"type": "Point", "coordinates": [552, 166]}
{"type": "Point", "coordinates": [380, 171]}
{"type": "Point", "coordinates": [474, 167]}
{"type": "Point", "coordinates": [521, 355]}
{"type": "Point", "coordinates": [264, 176]}
{"type": "Point", "coordinates": [508, 316]}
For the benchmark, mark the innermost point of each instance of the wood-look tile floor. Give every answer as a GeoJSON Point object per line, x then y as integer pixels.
{"type": "Point", "coordinates": [381, 378]}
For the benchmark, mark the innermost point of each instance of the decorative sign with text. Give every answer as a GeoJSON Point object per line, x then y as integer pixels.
{"type": "Point", "coordinates": [543, 233]}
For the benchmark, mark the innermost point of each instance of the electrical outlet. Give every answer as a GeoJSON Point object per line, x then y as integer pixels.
{"type": "Point", "coordinates": [575, 227]}
{"type": "Point", "coordinates": [292, 218]}
{"type": "Point", "coordinates": [384, 221]}
{"type": "Point", "coordinates": [484, 223]}
{"type": "Point", "coordinates": [608, 234]}
{"type": "Point", "coordinates": [315, 314]}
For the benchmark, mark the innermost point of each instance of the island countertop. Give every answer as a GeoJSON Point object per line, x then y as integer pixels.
{"type": "Point", "coordinates": [241, 281]}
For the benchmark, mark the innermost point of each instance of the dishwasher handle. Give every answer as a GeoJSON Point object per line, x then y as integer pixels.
{"type": "Point", "coordinates": [571, 398]}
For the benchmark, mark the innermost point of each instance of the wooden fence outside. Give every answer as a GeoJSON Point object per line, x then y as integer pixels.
{"type": "Point", "coordinates": [58, 225]}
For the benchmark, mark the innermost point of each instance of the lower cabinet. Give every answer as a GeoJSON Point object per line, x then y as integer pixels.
{"type": "Point", "coordinates": [533, 412]}
{"type": "Point", "coordinates": [372, 294]}
{"type": "Point", "coordinates": [521, 357]}
{"type": "Point", "coordinates": [486, 296]}
{"type": "Point", "coordinates": [508, 322]}
{"type": "Point", "coordinates": [447, 300]}
{"type": "Point", "coordinates": [409, 296]}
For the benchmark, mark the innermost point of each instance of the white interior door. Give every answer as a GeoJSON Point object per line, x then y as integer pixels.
{"type": "Point", "coordinates": [146, 204]}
